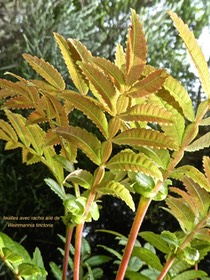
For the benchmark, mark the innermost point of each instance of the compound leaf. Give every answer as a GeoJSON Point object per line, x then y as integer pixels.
{"type": "Point", "coordinates": [46, 70]}
{"type": "Point", "coordinates": [136, 50]}
{"type": "Point", "coordinates": [118, 190]}
{"type": "Point", "coordinates": [129, 161]}
{"type": "Point", "coordinates": [85, 140]}
{"type": "Point", "coordinates": [145, 137]}
{"type": "Point", "coordinates": [71, 57]}
{"type": "Point", "coordinates": [194, 51]}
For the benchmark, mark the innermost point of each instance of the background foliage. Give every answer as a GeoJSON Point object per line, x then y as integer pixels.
{"type": "Point", "coordinates": [27, 26]}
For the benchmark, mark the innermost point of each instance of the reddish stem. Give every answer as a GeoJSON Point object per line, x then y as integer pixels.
{"type": "Point", "coordinates": [141, 212]}
{"type": "Point", "coordinates": [77, 255]}
{"type": "Point", "coordinates": [69, 232]}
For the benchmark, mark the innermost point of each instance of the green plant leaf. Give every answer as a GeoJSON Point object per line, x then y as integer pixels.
{"type": "Point", "coordinates": [19, 124]}
{"type": "Point", "coordinates": [46, 70]}
{"type": "Point", "coordinates": [118, 190]}
{"type": "Point", "coordinates": [145, 137]}
{"type": "Point", "coordinates": [181, 212]}
{"type": "Point", "coordinates": [205, 122]}
{"type": "Point", "coordinates": [190, 275]}
{"type": "Point", "coordinates": [148, 257]}
{"type": "Point", "coordinates": [56, 188]}
{"type": "Point", "coordinates": [28, 269]}
{"type": "Point", "coordinates": [71, 57]}
{"type": "Point", "coordinates": [181, 96]}
{"type": "Point", "coordinates": [80, 177]}
{"type": "Point", "coordinates": [199, 199]}
{"type": "Point", "coordinates": [97, 260]}
{"type": "Point", "coordinates": [102, 84]}
{"type": "Point", "coordinates": [111, 70]}
{"type": "Point", "coordinates": [120, 57]}
{"type": "Point", "coordinates": [194, 51]}
{"type": "Point", "coordinates": [129, 161]}
{"type": "Point", "coordinates": [132, 275]}
{"type": "Point", "coordinates": [7, 133]}
{"type": "Point", "coordinates": [149, 113]}
{"type": "Point", "coordinates": [136, 50]}
{"type": "Point", "coordinates": [155, 240]}
{"type": "Point", "coordinates": [206, 165]}
{"type": "Point", "coordinates": [14, 247]}
{"type": "Point", "coordinates": [85, 140]}
{"type": "Point", "coordinates": [10, 256]}
{"type": "Point", "coordinates": [57, 272]}
{"type": "Point", "coordinates": [148, 85]}
{"type": "Point", "coordinates": [200, 143]}
{"type": "Point", "coordinates": [190, 172]}
{"type": "Point", "coordinates": [90, 108]}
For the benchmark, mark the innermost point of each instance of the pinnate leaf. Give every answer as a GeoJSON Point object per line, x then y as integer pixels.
{"type": "Point", "coordinates": [194, 51]}
{"type": "Point", "coordinates": [145, 137]}
{"type": "Point", "coordinates": [90, 108]}
{"type": "Point", "coordinates": [102, 84]}
{"type": "Point", "coordinates": [80, 177]}
{"type": "Point", "coordinates": [181, 96]}
{"type": "Point", "coordinates": [181, 212]}
{"type": "Point", "coordinates": [155, 240]}
{"type": "Point", "coordinates": [136, 50]}
{"type": "Point", "coordinates": [127, 160]}
{"type": "Point", "coordinates": [200, 143]}
{"type": "Point", "coordinates": [206, 165]}
{"type": "Point", "coordinates": [118, 190]}
{"type": "Point", "coordinates": [193, 173]}
{"type": "Point", "coordinates": [85, 140]}
{"type": "Point", "coordinates": [111, 70]}
{"type": "Point", "coordinates": [46, 70]}
{"type": "Point", "coordinates": [71, 57]}
{"type": "Point", "coordinates": [7, 133]}
{"type": "Point", "coordinates": [120, 58]}
{"type": "Point", "coordinates": [148, 85]}
{"type": "Point", "coordinates": [149, 113]}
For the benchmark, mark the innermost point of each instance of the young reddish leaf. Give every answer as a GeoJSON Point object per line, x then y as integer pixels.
{"type": "Point", "coordinates": [90, 108]}
{"type": "Point", "coordinates": [148, 112]}
{"type": "Point", "coordinates": [46, 70]}
{"type": "Point", "coordinates": [194, 51]}
{"type": "Point", "coordinates": [136, 50]}
{"type": "Point", "coordinates": [181, 96]}
{"type": "Point", "coordinates": [148, 85]}
{"type": "Point", "coordinates": [14, 88]}
{"type": "Point", "coordinates": [145, 137]}
{"type": "Point", "coordinates": [85, 140]}
{"type": "Point", "coordinates": [19, 102]}
{"type": "Point", "coordinates": [127, 160]}
{"type": "Point", "coordinates": [102, 84]}
{"type": "Point", "coordinates": [118, 190]}
{"type": "Point", "coordinates": [111, 70]}
{"type": "Point", "coordinates": [71, 57]}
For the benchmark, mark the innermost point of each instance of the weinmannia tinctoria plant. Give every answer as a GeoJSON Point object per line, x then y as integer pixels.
{"type": "Point", "coordinates": [144, 112]}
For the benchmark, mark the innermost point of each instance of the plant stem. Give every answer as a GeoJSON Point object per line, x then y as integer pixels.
{"type": "Point", "coordinates": [186, 241]}
{"type": "Point", "coordinates": [78, 245]}
{"type": "Point", "coordinates": [69, 231]}
{"type": "Point", "coordinates": [145, 203]}
{"type": "Point", "coordinates": [140, 214]}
